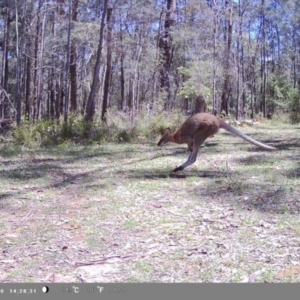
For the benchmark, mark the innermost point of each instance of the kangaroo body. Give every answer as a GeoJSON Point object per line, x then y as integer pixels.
{"type": "Point", "coordinates": [196, 129]}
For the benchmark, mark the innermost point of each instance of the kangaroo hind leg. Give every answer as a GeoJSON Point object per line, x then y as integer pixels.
{"type": "Point", "coordinates": [189, 140]}
{"type": "Point", "coordinates": [197, 142]}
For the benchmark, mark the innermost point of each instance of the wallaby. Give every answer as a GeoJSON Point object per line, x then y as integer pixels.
{"type": "Point", "coordinates": [196, 129]}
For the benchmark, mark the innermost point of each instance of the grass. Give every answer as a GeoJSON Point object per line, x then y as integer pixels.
{"type": "Point", "coordinates": [115, 213]}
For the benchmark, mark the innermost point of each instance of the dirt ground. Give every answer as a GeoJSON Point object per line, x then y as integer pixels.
{"type": "Point", "coordinates": [115, 213]}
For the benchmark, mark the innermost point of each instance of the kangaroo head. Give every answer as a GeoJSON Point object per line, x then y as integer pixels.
{"type": "Point", "coordinates": [166, 137]}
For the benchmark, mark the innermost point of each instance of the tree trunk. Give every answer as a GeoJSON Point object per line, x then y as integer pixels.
{"type": "Point", "coordinates": [18, 73]}
{"type": "Point", "coordinates": [4, 75]}
{"type": "Point", "coordinates": [40, 68]}
{"type": "Point", "coordinates": [263, 61]}
{"type": "Point", "coordinates": [73, 62]}
{"type": "Point", "coordinates": [56, 85]}
{"type": "Point", "coordinates": [90, 109]}
{"type": "Point", "coordinates": [28, 86]}
{"type": "Point", "coordinates": [67, 66]}
{"type": "Point", "coordinates": [166, 50]}
{"type": "Point", "coordinates": [36, 65]}
{"type": "Point", "coordinates": [228, 39]}
{"type": "Point", "coordinates": [214, 60]}
{"type": "Point", "coordinates": [122, 82]}
{"type": "Point", "coordinates": [108, 65]}
{"type": "Point", "coordinates": [240, 68]}
{"type": "Point", "coordinates": [200, 105]}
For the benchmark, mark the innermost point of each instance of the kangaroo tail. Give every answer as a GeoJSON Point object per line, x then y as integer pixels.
{"type": "Point", "coordinates": [245, 137]}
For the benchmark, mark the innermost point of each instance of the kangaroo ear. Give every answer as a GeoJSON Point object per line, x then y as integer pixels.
{"type": "Point", "coordinates": [167, 130]}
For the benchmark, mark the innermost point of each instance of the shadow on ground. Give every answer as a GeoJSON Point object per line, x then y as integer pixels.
{"type": "Point", "coordinates": [261, 197]}
{"type": "Point", "coordinates": [294, 173]}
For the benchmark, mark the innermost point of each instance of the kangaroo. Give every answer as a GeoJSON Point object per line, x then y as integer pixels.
{"type": "Point", "coordinates": [196, 129]}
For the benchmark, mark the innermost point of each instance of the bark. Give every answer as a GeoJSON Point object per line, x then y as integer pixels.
{"type": "Point", "coordinates": [263, 62]}
{"type": "Point", "coordinates": [239, 63]}
{"type": "Point", "coordinates": [40, 68]}
{"type": "Point", "coordinates": [90, 109]}
{"type": "Point", "coordinates": [36, 59]}
{"type": "Point", "coordinates": [28, 85]}
{"type": "Point", "coordinates": [228, 40]}
{"type": "Point", "coordinates": [4, 79]}
{"type": "Point", "coordinates": [214, 60]}
{"type": "Point", "coordinates": [122, 73]}
{"type": "Point", "coordinates": [200, 105]}
{"type": "Point", "coordinates": [54, 86]}
{"type": "Point", "coordinates": [4, 75]}
{"type": "Point", "coordinates": [108, 66]}
{"type": "Point", "coordinates": [122, 82]}
{"type": "Point", "coordinates": [67, 67]}
{"type": "Point", "coordinates": [18, 73]}
{"type": "Point", "coordinates": [73, 62]}
{"type": "Point", "coordinates": [167, 49]}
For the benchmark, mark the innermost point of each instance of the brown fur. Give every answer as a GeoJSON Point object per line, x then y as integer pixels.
{"type": "Point", "coordinates": [196, 129]}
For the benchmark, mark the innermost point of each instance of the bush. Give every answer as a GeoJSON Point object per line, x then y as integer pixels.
{"type": "Point", "coordinates": [120, 130]}
{"type": "Point", "coordinates": [34, 134]}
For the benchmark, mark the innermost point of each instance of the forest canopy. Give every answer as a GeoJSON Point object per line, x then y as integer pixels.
{"type": "Point", "coordinates": [146, 56]}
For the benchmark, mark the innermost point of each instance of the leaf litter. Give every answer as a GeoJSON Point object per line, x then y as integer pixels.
{"type": "Point", "coordinates": [233, 216]}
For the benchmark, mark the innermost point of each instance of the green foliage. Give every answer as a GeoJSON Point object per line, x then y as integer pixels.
{"type": "Point", "coordinates": [82, 132]}
{"type": "Point", "coordinates": [280, 118]}
{"type": "Point", "coordinates": [153, 126]}
{"type": "Point", "coordinates": [285, 96]}
{"type": "Point", "coordinates": [121, 129]}
{"type": "Point", "coordinates": [33, 135]}
{"type": "Point", "coordinates": [295, 115]}
{"type": "Point", "coordinates": [74, 128]}
{"type": "Point", "coordinates": [195, 81]}
{"type": "Point", "coordinates": [144, 127]}
{"type": "Point", "coordinates": [283, 91]}
{"type": "Point", "coordinates": [43, 133]}
{"type": "Point", "coordinates": [112, 133]}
